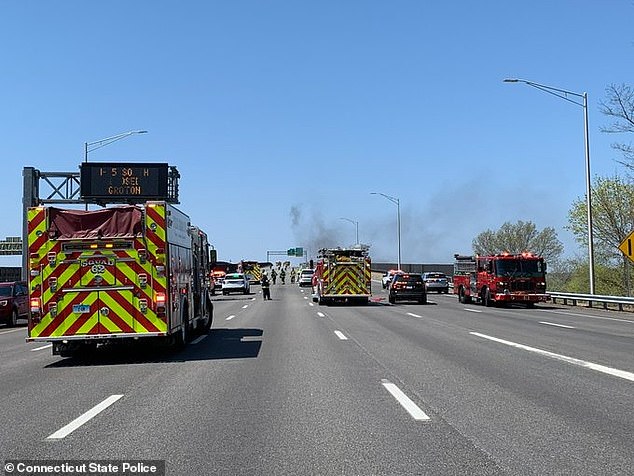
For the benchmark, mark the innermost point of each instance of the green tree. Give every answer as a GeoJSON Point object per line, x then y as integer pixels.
{"type": "Point", "coordinates": [612, 222]}
{"type": "Point", "coordinates": [572, 276]}
{"type": "Point", "coordinates": [518, 238]}
{"type": "Point", "coordinates": [612, 216]}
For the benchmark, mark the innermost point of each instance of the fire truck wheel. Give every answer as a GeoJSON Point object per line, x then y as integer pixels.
{"type": "Point", "coordinates": [207, 325]}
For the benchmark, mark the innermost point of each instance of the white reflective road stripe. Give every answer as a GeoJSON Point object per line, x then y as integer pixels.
{"type": "Point", "coordinates": [556, 325]}
{"type": "Point", "coordinates": [587, 315]}
{"type": "Point", "coordinates": [321, 314]}
{"type": "Point", "coordinates": [89, 415]}
{"type": "Point", "coordinates": [196, 341]}
{"type": "Point", "coordinates": [405, 401]}
{"type": "Point", "coordinates": [42, 348]}
{"type": "Point", "coordinates": [341, 335]}
{"type": "Point", "coordinates": [472, 310]}
{"type": "Point", "coordinates": [413, 315]}
{"type": "Point", "coordinates": [230, 317]}
{"type": "Point", "coordinates": [571, 360]}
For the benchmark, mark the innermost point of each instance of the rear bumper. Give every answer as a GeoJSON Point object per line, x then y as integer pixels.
{"type": "Point", "coordinates": [407, 294]}
{"type": "Point", "coordinates": [96, 337]}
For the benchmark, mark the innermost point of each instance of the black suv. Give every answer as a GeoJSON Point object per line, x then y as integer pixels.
{"type": "Point", "coordinates": [408, 286]}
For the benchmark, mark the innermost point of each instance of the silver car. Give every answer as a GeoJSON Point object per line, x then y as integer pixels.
{"type": "Point", "coordinates": [235, 283]}
{"type": "Point", "coordinates": [435, 281]}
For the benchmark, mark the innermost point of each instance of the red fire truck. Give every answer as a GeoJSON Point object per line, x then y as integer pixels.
{"type": "Point", "coordinates": [501, 278]}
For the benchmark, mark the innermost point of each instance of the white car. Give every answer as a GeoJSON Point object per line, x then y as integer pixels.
{"type": "Point", "coordinates": [236, 283]}
{"type": "Point", "coordinates": [388, 276]}
{"type": "Point", "coordinates": [306, 277]}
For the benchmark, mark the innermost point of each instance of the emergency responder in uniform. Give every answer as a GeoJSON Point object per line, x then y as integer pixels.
{"type": "Point", "coordinates": [266, 288]}
{"type": "Point", "coordinates": [273, 276]}
{"type": "Point", "coordinates": [283, 276]}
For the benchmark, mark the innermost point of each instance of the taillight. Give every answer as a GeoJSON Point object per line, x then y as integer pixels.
{"type": "Point", "coordinates": [35, 304]}
{"type": "Point", "coordinates": [160, 304]}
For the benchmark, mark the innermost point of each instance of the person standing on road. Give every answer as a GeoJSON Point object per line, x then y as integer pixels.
{"type": "Point", "coordinates": [283, 276]}
{"type": "Point", "coordinates": [266, 287]}
{"type": "Point", "coordinates": [273, 276]}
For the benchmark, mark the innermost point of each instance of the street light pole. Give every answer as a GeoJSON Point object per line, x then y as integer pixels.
{"type": "Point", "coordinates": [356, 223]}
{"type": "Point", "coordinates": [398, 222]}
{"type": "Point", "coordinates": [563, 94]}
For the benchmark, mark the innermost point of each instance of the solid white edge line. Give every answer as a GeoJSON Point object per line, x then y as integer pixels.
{"type": "Point", "coordinates": [413, 409]}
{"type": "Point", "coordinates": [571, 360]}
{"type": "Point", "coordinates": [198, 339]}
{"type": "Point", "coordinates": [13, 330]}
{"type": "Point", "coordinates": [42, 348]}
{"type": "Point", "coordinates": [556, 325]}
{"type": "Point", "coordinates": [341, 335]}
{"type": "Point", "coordinates": [414, 315]}
{"type": "Point", "coordinates": [79, 421]}
{"type": "Point", "coordinates": [230, 317]}
{"type": "Point", "coordinates": [587, 315]}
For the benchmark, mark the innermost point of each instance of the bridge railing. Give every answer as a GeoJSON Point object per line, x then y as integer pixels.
{"type": "Point", "coordinates": [590, 299]}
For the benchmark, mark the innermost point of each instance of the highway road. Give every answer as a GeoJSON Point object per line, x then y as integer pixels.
{"type": "Point", "coordinates": [288, 387]}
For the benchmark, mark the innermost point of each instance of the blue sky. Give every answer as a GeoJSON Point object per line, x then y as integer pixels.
{"type": "Point", "coordinates": [283, 116]}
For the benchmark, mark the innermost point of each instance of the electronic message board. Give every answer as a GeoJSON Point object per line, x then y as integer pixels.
{"type": "Point", "coordinates": [123, 182]}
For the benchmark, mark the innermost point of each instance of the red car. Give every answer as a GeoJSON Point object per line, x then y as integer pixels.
{"type": "Point", "coordinates": [14, 302]}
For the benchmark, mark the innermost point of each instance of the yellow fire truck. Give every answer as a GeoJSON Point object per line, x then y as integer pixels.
{"type": "Point", "coordinates": [124, 272]}
{"type": "Point", "coordinates": [342, 274]}
{"type": "Point", "coordinates": [251, 270]}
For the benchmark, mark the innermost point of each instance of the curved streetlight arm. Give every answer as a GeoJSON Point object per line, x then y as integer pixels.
{"type": "Point", "coordinates": [391, 199]}
{"type": "Point", "coordinates": [90, 146]}
{"type": "Point", "coordinates": [355, 223]}
{"type": "Point", "coordinates": [397, 202]}
{"type": "Point", "coordinates": [560, 93]}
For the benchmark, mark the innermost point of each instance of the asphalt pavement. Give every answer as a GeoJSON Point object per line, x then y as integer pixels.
{"type": "Point", "coordinates": [289, 387]}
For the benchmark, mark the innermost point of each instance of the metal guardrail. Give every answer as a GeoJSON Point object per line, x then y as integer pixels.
{"type": "Point", "coordinates": [604, 300]}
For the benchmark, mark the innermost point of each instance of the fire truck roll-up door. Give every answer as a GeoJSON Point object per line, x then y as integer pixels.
{"type": "Point", "coordinates": [102, 300]}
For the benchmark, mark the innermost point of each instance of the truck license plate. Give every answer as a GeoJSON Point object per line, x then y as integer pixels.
{"type": "Point", "coordinates": [81, 308]}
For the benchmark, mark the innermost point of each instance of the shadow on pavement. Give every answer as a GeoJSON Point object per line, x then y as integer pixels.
{"type": "Point", "coordinates": [240, 343]}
